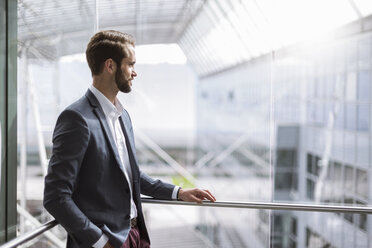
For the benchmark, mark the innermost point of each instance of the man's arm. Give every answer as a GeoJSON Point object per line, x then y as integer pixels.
{"type": "Point", "coordinates": [158, 189]}
{"type": "Point", "coordinates": [155, 187]}
{"type": "Point", "coordinates": [70, 141]}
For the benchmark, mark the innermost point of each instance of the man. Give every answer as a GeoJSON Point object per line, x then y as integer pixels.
{"type": "Point", "coordinates": [93, 184]}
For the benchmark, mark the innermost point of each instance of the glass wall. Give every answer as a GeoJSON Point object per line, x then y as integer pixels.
{"type": "Point", "coordinates": [250, 115]}
{"type": "Point", "coordinates": [47, 82]}
{"type": "Point", "coordinates": [318, 139]}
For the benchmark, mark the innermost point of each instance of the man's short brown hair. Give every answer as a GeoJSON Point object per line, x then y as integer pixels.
{"type": "Point", "coordinates": [107, 44]}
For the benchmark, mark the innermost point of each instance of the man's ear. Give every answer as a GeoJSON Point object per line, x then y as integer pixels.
{"type": "Point", "coordinates": [110, 66]}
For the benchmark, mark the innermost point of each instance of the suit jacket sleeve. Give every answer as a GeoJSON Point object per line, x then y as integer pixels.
{"type": "Point", "coordinates": [70, 141]}
{"type": "Point", "coordinates": [155, 187]}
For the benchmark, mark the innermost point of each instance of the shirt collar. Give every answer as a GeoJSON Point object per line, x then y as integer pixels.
{"type": "Point", "coordinates": [109, 109]}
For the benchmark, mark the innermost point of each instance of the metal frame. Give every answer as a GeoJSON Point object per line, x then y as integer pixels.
{"type": "Point", "coordinates": [30, 235]}
{"type": "Point", "coordinates": [8, 120]}
{"type": "Point", "coordinates": [244, 205]}
{"type": "Point", "coordinates": [268, 206]}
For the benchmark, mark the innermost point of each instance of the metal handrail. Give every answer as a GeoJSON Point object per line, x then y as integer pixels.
{"type": "Point", "coordinates": [268, 205]}
{"type": "Point", "coordinates": [30, 235]}
{"type": "Point", "coordinates": [248, 205]}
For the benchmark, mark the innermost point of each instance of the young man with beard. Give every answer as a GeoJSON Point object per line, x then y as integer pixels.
{"type": "Point", "coordinates": [93, 184]}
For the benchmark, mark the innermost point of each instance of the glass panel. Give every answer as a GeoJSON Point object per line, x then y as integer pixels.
{"type": "Point", "coordinates": [364, 52]}
{"type": "Point", "coordinates": [340, 116]}
{"type": "Point", "coordinates": [326, 230]}
{"type": "Point", "coordinates": [284, 230]}
{"type": "Point", "coordinates": [363, 117]}
{"type": "Point", "coordinates": [338, 182]}
{"type": "Point", "coordinates": [351, 60]}
{"type": "Point", "coordinates": [317, 165]}
{"type": "Point", "coordinates": [286, 158]}
{"type": "Point", "coordinates": [52, 73]}
{"type": "Point", "coordinates": [362, 183]}
{"type": "Point", "coordinates": [309, 163]}
{"type": "Point", "coordinates": [180, 226]}
{"type": "Point", "coordinates": [363, 149]}
{"type": "Point", "coordinates": [310, 189]}
{"type": "Point", "coordinates": [283, 180]}
{"type": "Point", "coordinates": [221, 116]}
{"type": "Point", "coordinates": [364, 6]}
{"type": "Point", "coordinates": [349, 181]}
{"type": "Point", "coordinates": [350, 109]}
{"type": "Point", "coordinates": [364, 82]}
{"type": "Point", "coordinates": [351, 86]}
{"type": "Point", "coordinates": [349, 147]}
{"type": "Point", "coordinates": [338, 146]}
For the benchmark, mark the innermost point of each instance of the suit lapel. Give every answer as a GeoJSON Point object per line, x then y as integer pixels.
{"type": "Point", "coordinates": [124, 123]}
{"type": "Point", "coordinates": [106, 129]}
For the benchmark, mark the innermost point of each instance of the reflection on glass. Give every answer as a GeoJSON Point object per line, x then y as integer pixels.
{"type": "Point", "coordinates": [363, 145]}
{"type": "Point", "coordinates": [364, 85]}
{"type": "Point", "coordinates": [362, 184]}
{"type": "Point", "coordinates": [348, 181]}
{"type": "Point", "coordinates": [363, 117]}
{"type": "Point", "coordinates": [350, 116]}
{"type": "Point", "coordinates": [236, 144]}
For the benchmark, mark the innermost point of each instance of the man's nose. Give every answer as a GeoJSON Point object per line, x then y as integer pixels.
{"type": "Point", "coordinates": [134, 73]}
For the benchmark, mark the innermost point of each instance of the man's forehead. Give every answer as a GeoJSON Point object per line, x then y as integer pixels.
{"type": "Point", "coordinates": [131, 54]}
{"type": "Point", "coordinates": [130, 49]}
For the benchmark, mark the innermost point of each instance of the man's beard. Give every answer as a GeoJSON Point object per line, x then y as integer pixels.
{"type": "Point", "coordinates": [122, 84]}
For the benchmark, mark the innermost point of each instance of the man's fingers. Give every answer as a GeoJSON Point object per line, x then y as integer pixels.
{"type": "Point", "coordinates": [196, 195]}
{"type": "Point", "coordinates": [207, 195]}
{"type": "Point", "coordinates": [210, 194]}
{"type": "Point", "coordinates": [196, 199]}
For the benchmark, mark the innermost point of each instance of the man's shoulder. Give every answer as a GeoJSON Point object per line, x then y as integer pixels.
{"type": "Point", "coordinates": [77, 113]}
{"type": "Point", "coordinates": [82, 106]}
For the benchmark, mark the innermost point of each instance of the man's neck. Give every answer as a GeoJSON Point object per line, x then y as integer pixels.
{"type": "Point", "coordinates": [106, 89]}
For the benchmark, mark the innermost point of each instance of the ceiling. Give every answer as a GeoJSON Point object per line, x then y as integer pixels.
{"type": "Point", "coordinates": [213, 34]}
{"type": "Point", "coordinates": [56, 28]}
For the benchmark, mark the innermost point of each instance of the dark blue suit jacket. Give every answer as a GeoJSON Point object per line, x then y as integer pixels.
{"type": "Point", "coordinates": [85, 188]}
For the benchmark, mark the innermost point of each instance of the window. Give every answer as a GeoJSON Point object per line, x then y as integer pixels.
{"type": "Point", "coordinates": [283, 180]}
{"type": "Point", "coordinates": [339, 116]}
{"type": "Point", "coordinates": [286, 158]}
{"type": "Point", "coordinates": [313, 239]}
{"type": "Point", "coordinates": [363, 117]}
{"type": "Point", "coordinates": [362, 184]}
{"type": "Point", "coordinates": [364, 82]}
{"type": "Point", "coordinates": [351, 86]}
{"type": "Point", "coordinates": [363, 149]}
{"type": "Point", "coordinates": [350, 116]}
{"type": "Point", "coordinates": [310, 188]}
{"type": "Point", "coordinates": [349, 180]}
{"type": "Point", "coordinates": [364, 52]}
{"type": "Point", "coordinates": [337, 177]}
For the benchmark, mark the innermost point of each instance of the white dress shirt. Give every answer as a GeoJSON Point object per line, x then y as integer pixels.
{"type": "Point", "coordinates": [112, 113]}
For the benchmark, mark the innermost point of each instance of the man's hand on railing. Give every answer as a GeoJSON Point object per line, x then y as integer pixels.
{"type": "Point", "coordinates": [195, 195]}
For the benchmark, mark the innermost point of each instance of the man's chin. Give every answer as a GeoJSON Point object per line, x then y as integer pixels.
{"type": "Point", "coordinates": [126, 89]}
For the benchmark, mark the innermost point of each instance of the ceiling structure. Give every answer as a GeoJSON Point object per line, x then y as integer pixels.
{"type": "Point", "coordinates": [57, 28]}
{"type": "Point", "coordinates": [213, 34]}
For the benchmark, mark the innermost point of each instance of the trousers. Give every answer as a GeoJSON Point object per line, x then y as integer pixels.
{"type": "Point", "coordinates": [134, 240]}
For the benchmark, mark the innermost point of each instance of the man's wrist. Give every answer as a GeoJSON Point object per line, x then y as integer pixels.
{"type": "Point", "coordinates": [101, 242]}
{"type": "Point", "coordinates": [178, 193]}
